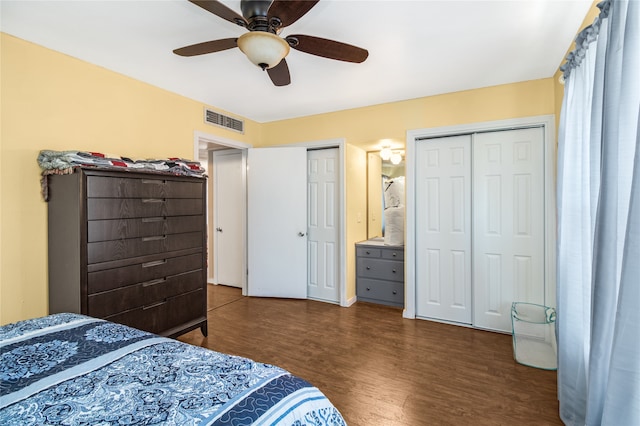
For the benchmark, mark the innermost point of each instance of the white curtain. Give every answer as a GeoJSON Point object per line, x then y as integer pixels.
{"type": "Point", "coordinates": [599, 223]}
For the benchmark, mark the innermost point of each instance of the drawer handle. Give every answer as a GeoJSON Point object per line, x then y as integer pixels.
{"type": "Point", "coordinates": [368, 268]}
{"type": "Point", "coordinates": [394, 271]}
{"type": "Point", "coordinates": [394, 255]}
{"type": "Point", "coordinates": [156, 238]}
{"type": "Point", "coordinates": [155, 305]}
{"type": "Point", "coordinates": [368, 289]}
{"type": "Point", "coordinates": [368, 252]}
{"type": "Point", "coordinates": [154, 263]}
{"type": "Point", "coordinates": [153, 219]}
{"type": "Point", "coordinates": [395, 292]}
{"type": "Point", "coordinates": [153, 282]}
{"type": "Point", "coordinates": [154, 181]}
{"type": "Point", "coordinates": [153, 200]}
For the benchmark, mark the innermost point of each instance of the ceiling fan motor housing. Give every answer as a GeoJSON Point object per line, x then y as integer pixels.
{"type": "Point", "coordinates": [256, 12]}
{"type": "Point", "coordinates": [251, 8]}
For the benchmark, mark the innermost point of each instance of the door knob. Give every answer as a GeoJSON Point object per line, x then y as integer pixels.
{"type": "Point", "coordinates": [219, 229]}
{"type": "Point", "coordinates": [301, 234]}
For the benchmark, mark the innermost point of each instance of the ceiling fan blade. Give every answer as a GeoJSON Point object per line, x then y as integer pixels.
{"type": "Point", "coordinates": [221, 10]}
{"type": "Point", "coordinates": [207, 47]}
{"type": "Point", "coordinates": [289, 11]}
{"type": "Point", "coordinates": [327, 48]}
{"type": "Point", "coordinates": [279, 74]}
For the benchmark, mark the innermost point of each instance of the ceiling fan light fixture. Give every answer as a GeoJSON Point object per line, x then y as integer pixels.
{"type": "Point", "coordinates": [263, 49]}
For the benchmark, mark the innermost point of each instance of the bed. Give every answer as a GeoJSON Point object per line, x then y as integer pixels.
{"type": "Point", "coordinates": [70, 369]}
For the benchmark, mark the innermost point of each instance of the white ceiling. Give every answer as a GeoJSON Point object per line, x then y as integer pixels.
{"type": "Point", "coordinates": [416, 48]}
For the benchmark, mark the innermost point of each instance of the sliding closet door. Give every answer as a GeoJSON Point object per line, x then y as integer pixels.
{"type": "Point", "coordinates": [508, 236]}
{"type": "Point", "coordinates": [443, 228]}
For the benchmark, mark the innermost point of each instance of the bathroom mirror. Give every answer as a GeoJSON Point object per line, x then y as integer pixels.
{"type": "Point", "coordinates": [380, 175]}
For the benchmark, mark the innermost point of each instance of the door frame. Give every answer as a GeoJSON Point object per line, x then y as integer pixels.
{"type": "Point", "coordinates": [548, 124]}
{"type": "Point", "coordinates": [207, 143]}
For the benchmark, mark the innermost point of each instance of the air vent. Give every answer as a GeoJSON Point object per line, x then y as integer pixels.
{"type": "Point", "coordinates": [217, 119]}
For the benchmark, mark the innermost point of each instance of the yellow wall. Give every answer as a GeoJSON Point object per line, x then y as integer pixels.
{"type": "Point", "coordinates": [53, 101]}
{"type": "Point", "coordinates": [361, 126]}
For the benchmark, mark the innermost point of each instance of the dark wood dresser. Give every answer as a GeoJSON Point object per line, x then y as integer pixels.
{"type": "Point", "coordinates": [129, 247]}
{"type": "Point", "coordinates": [380, 273]}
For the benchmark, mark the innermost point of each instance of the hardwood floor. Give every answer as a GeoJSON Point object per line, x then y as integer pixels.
{"type": "Point", "coordinates": [380, 369]}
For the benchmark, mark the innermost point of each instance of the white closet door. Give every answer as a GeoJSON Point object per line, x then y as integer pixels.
{"type": "Point", "coordinates": [322, 224]}
{"type": "Point", "coordinates": [443, 229]}
{"type": "Point", "coordinates": [508, 236]}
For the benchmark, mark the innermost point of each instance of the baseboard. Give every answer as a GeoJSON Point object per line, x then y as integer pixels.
{"type": "Point", "coordinates": [350, 302]}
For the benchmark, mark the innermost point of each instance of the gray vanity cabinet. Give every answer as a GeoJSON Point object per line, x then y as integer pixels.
{"type": "Point", "coordinates": [380, 273]}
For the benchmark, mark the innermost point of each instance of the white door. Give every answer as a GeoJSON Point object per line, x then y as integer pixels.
{"type": "Point", "coordinates": [322, 224]}
{"type": "Point", "coordinates": [508, 237]}
{"type": "Point", "coordinates": [277, 222]}
{"type": "Point", "coordinates": [443, 229]}
{"type": "Point", "coordinates": [229, 210]}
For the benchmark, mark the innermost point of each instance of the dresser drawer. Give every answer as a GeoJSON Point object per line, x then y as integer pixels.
{"type": "Point", "coordinates": [111, 302]}
{"type": "Point", "coordinates": [115, 229]}
{"type": "Point", "coordinates": [135, 318]}
{"type": "Point", "coordinates": [114, 187]}
{"type": "Point", "coordinates": [392, 254]}
{"type": "Point", "coordinates": [367, 252]}
{"type": "Point", "coordinates": [103, 305]}
{"type": "Point", "coordinates": [159, 317]}
{"type": "Point", "coordinates": [184, 308]}
{"type": "Point", "coordinates": [122, 249]}
{"type": "Point", "coordinates": [113, 278]}
{"type": "Point", "coordinates": [381, 269]}
{"type": "Point", "coordinates": [175, 311]}
{"type": "Point", "coordinates": [162, 288]}
{"type": "Point", "coordinates": [122, 208]}
{"type": "Point", "coordinates": [380, 291]}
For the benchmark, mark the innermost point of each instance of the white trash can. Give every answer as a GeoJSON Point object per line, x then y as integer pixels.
{"type": "Point", "coordinates": [534, 335]}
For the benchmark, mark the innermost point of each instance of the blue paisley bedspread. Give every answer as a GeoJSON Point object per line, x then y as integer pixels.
{"type": "Point", "coordinates": [69, 369]}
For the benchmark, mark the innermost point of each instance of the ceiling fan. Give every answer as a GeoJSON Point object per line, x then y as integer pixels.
{"type": "Point", "coordinates": [262, 44]}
